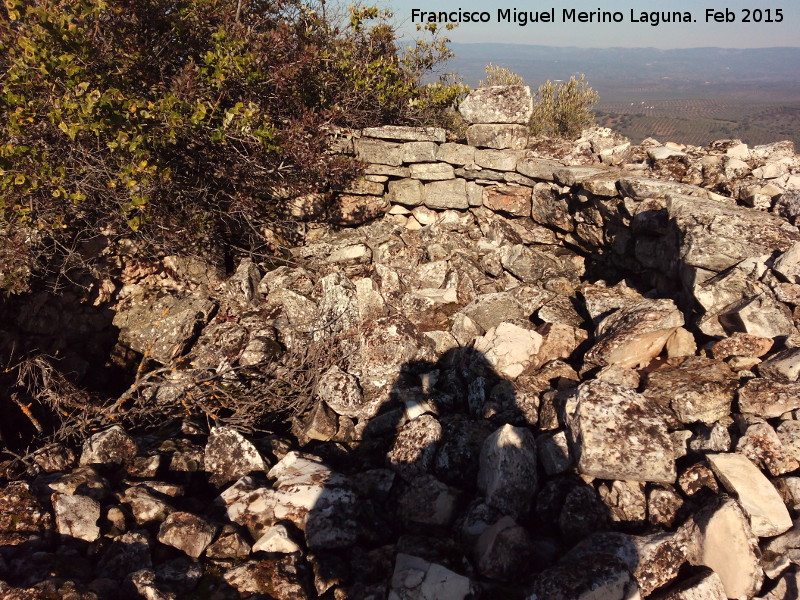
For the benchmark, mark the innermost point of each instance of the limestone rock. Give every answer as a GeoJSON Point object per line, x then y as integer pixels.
{"type": "Point", "coordinates": [599, 577]}
{"type": "Point", "coordinates": [634, 335]}
{"type": "Point", "coordinates": [703, 586]}
{"type": "Point", "coordinates": [414, 449]}
{"type": "Point", "coordinates": [694, 388]}
{"type": "Point", "coordinates": [510, 199]}
{"type": "Point", "coordinates": [500, 137]}
{"type": "Point", "coordinates": [405, 133]}
{"type": "Point", "coordinates": [417, 579]}
{"type": "Point", "coordinates": [498, 104]}
{"type": "Point", "coordinates": [186, 532]}
{"type": "Point", "coordinates": [741, 344]}
{"type": "Point", "coordinates": [768, 514]}
{"type": "Point", "coordinates": [766, 398]}
{"type": "Point", "coordinates": [762, 445]}
{"type": "Point", "coordinates": [229, 456]}
{"type": "Point", "coordinates": [782, 366]}
{"type": "Point", "coordinates": [278, 578]}
{"type": "Point", "coordinates": [716, 236]}
{"type": "Point", "coordinates": [503, 550]}
{"type": "Point", "coordinates": [144, 505]}
{"type": "Point", "coordinates": [408, 192]}
{"type": "Point", "coordinates": [648, 452]}
{"type": "Point", "coordinates": [442, 195]}
{"type": "Point", "coordinates": [77, 516]}
{"type": "Point", "coordinates": [276, 540]}
{"type": "Point", "coordinates": [431, 171]}
{"type": "Point", "coordinates": [507, 475]}
{"type": "Point", "coordinates": [113, 445]}
{"type": "Point", "coordinates": [722, 540]}
{"type": "Point", "coordinates": [509, 349]}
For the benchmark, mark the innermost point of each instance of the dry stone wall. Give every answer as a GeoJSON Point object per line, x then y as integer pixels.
{"type": "Point", "coordinates": [491, 413]}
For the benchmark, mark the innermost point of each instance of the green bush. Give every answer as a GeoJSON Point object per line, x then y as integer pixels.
{"type": "Point", "coordinates": [185, 122]}
{"type": "Point", "coordinates": [563, 109]}
{"type": "Point", "coordinates": [497, 75]}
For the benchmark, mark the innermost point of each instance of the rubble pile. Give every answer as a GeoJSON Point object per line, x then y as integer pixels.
{"type": "Point", "coordinates": [561, 372]}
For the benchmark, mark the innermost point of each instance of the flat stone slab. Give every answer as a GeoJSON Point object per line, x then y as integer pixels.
{"type": "Point", "coordinates": [768, 513]}
{"type": "Point", "coordinates": [406, 134]}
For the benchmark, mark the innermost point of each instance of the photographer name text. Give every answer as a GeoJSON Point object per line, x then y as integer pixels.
{"type": "Point", "coordinates": [571, 15]}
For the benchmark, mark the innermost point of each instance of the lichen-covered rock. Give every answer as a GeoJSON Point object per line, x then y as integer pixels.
{"type": "Point", "coordinates": [145, 507]}
{"type": "Point", "coordinates": [599, 577]}
{"type": "Point", "coordinates": [507, 475]}
{"type": "Point", "coordinates": [766, 398]}
{"type": "Point", "coordinates": [414, 450]}
{"type": "Point", "coordinates": [762, 445]}
{"type": "Point", "coordinates": [229, 456]}
{"type": "Point", "coordinates": [186, 532]}
{"type": "Point", "coordinates": [694, 388]}
{"type": "Point", "coordinates": [498, 104]}
{"type": "Point", "coordinates": [608, 413]}
{"type": "Point", "coordinates": [76, 516]}
{"type": "Point", "coordinates": [280, 578]}
{"type": "Point", "coordinates": [632, 336]}
{"type": "Point", "coordinates": [113, 445]}
{"type": "Point", "coordinates": [162, 327]}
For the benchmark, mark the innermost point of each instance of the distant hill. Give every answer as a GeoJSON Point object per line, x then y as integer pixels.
{"type": "Point", "coordinates": [716, 65]}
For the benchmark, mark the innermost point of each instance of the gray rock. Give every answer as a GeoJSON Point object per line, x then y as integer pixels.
{"type": "Point", "coordinates": [503, 550]}
{"type": "Point", "coordinates": [229, 545]}
{"type": "Point", "coordinates": [538, 168]}
{"type": "Point", "coordinates": [431, 171]}
{"type": "Point", "coordinates": [500, 137]}
{"type": "Point", "coordinates": [507, 475]}
{"type": "Point", "coordinates": [783, 366]}
{"type": "Point", "coordinates": [717, 236]}
{"type": "Point", "coordinates": [498, 104]}
{"type": "Point", "coordinates": [648, 452]}
{"type": "Point", "coordinates": [455, 154]}
{"type": "Point", "coordinates": [407, 192]}
{"type": "Point", "coordinates": [498, 160]}
{"type": "Point", "coordinates": [442, 195]}
{"type": "Point", "coordinates": [405, 133]}
{"type": "Point", "coordinates": [380, 152]}
{"type": "Point", "coordinates": [417, 579]}
{"type": "Point", "coordinates": [162, 327]}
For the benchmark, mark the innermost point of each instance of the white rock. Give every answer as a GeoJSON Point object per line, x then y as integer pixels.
{"type": "Point", "coordinates": [416, 579]}
{"type": "Point", "coordinates": [705, 586]}
{"type": "Point", "coordinates": [723, 541]}
{"type": "Point", "coordinates": [768, 514]}
{"type": "Point", "coordinates": [510, 349]}
{"type": "Point", "coordinates": [276, 539]}
{"type": "Point", "coordinates": [76, 516]}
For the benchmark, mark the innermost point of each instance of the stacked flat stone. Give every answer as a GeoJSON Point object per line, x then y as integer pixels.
{"type": "Point", "coordinates": [498, 116]}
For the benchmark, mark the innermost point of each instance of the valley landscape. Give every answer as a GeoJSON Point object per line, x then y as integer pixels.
{"type": "Point", "coordinates": [691, 96]}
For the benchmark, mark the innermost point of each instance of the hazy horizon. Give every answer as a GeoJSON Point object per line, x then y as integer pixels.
{"type": "Point", "coordinates": [698, 33]}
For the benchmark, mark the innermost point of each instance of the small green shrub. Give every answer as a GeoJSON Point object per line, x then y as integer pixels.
{"type": "Point", "coordinates": [496, 75]}
{"type": "Point", "coordinates": [563, 109]}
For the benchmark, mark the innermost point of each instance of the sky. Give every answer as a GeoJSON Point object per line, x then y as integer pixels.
{"type": "Point", "coordinates": [701, 33]}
